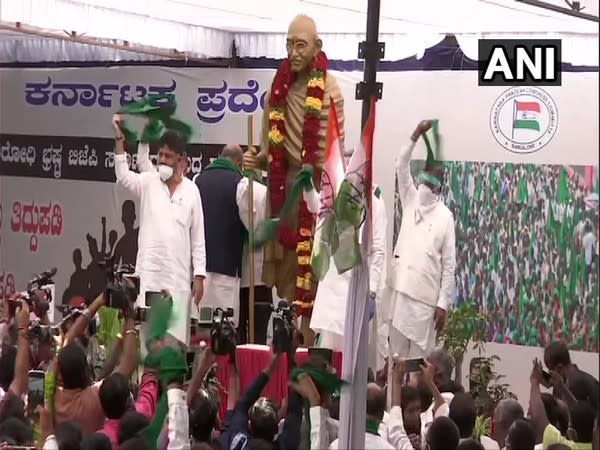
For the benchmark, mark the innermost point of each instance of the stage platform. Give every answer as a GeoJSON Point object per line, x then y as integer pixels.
{"type": "Point", "coordinates": [253, 359]}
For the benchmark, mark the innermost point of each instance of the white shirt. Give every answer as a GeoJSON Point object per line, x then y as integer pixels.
{"type": "Point", "coordinates": [223, 290]}
{"type": "Point", "coordinates": [259, 192]}
{"type": "Point", "coordinates": [178, 420]}
{"type": "Point", "coordinates": [424, 253]}
{"type": "Point", "coordinates": [411, 317]}
{"type": "Point", "coordinates": [50, 443]}
{"type": "Point", "coordinates": [329, 311]}
{"type": "Point", "coordinates": [171, 245]}
{"type": "Point", "coordinates": [589, 242]}
{"type": "Point", "coordinates": [429, 415]}
{"type": "Point", "coordinates": [372, 442]}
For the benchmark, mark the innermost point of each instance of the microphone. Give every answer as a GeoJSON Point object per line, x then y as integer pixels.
{"type": "Point", "coordinates": [42, 277]}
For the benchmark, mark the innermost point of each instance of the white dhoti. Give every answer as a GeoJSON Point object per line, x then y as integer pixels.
{"type": "Point", "coordinates": [412, 334]}
{"type": "Point", "coordinates": [329, 312]}
{"type": "Point", "coordinates": [329, 316]}
{"type": "Point", "coordinates": [412, 330]}
{"type": "Point", "coordinates": [221, 291]}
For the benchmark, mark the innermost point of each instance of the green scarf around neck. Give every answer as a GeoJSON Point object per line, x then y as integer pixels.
{"type": "Point", "coordinates": [255, 175]}
{"type": "Point", "coordinates": [373, 427]}
{"type": "Point", "coordinates": [224, 164]}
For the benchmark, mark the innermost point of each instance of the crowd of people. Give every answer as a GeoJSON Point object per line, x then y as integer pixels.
{"type": "Point", "coordinates": [164, 409]}
{"type": "Point", "coordinates": [527, 251]}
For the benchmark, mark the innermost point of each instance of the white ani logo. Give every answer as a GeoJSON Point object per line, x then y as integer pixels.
{"type": "Point", "coordinates": [541, 65]}
{"type": "Point", "coordinates": [524, 119]}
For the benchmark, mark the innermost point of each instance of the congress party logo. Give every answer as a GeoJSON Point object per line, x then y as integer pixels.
{"type": "Point", "coordinates": [524, 119]}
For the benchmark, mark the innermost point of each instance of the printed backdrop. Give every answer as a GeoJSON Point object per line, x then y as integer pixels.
{"type": "Point", "coordinates": [526, 249]}
{"type": "Point", "coordinates": [60, 206]}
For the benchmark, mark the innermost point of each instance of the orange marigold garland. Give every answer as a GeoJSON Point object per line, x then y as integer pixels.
{"type": "Point", "coordinates": [300, 239]}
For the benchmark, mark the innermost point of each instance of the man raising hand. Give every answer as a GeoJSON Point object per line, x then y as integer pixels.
{"type": "Point", "coordinates": [171, 243]}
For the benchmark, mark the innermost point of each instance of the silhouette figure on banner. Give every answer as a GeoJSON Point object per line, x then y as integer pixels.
{"type": "Point", "coordinates": [127, 247]}
{"type": "Point", "coordinates": [78, 283]}
{"type": "Point", "coordinates": [95, 273]}
{"type": "Point", "coordinates": [90, 282]}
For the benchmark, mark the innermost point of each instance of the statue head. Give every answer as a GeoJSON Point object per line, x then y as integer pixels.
{"type": "Point", "coordinates": [303, 44]}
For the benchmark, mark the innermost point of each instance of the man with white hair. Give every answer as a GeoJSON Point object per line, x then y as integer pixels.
{"type": "Point", "coordinates": [507, 412]}
{"type": "Point", "coordinates": [223, 190]}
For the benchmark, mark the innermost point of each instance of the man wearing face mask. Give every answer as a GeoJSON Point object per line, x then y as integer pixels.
{"type": "Point", "coordinates": [171, 243]}
{"type": "Point", "coordinates": [424, 258]}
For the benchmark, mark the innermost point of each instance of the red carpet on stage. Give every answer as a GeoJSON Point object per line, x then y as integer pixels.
{"type": "Point", "coordinates": [253, 359]}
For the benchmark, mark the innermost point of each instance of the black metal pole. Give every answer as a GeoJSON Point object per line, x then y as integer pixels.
{"type": "Point", "coordinates": [560, 9]}
{"type": "Point", "coordinates": [371, 50]}
{"type": "Point", "coordinates": [352, 425]}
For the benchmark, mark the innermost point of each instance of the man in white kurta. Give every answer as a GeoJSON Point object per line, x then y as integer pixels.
{"type": "Point", "coordinates": [424, 259]}
{"type": "Point", "coordinates": [171, 247]}
{"type": "Point", "coordinates": [222, 290]}
{"type": "Point", "coordinates": [259, 192]}
{"type": "Point", "coordinates": [329, 311]}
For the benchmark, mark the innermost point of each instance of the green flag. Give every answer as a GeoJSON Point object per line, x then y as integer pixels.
{"type": "Point", "coordinates": [169, 362]}
{"type": "Point", "coordinates": [478, 188]}
{"type": "Point", "coordinates": [159, 110]}
{"type": "Point", "coordinates": [523, 193]}
{"type": "Point", "coordinates": [563, 193]}
{"type": "Point", "coordinates": [496, 254]}
{"type": "Point", "coordinates": [552, 224]}
{"type": "Point", "coordinates": [532, 241]}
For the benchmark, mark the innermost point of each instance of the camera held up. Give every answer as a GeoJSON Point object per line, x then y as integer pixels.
{"type": "Point", "coordinates": [222, 333]}
{"type": "Point", "coordinates": [122, 286]}
{"type": "Point", "coordinates": [283, 327]}
{"type": "Point", "coordinates": [39, 294]}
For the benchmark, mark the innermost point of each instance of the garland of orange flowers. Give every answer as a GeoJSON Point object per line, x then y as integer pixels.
{"type": "Point", "coordinates": [301, 239]}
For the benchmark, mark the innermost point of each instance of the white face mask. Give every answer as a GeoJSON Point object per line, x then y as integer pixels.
{"type": "Point", "coordinates": [426, 196]}
{"type": "Point", "coordinates": [165, 172]}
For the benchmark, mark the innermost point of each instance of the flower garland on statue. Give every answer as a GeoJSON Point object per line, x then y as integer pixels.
{"type": "Point", "coordinates": [301, 240]}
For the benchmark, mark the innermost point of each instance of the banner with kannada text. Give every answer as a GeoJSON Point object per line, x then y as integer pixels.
{"type": "Point", "coordinates": [59, 205]}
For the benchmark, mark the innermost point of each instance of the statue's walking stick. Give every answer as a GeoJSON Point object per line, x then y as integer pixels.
{"type": "Point", "coordinates": [251, 235]}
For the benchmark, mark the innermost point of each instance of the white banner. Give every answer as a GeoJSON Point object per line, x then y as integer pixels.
{"type": "Point", "coordinates": [476, 122]}
{"type": "Point", "coordinates": [67, 224]}
{"type": "Point", "coordinates": [55, 126]}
